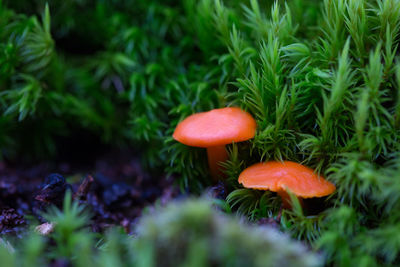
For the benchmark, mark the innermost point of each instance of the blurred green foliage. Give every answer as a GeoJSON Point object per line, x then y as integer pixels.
{"type": "Point", "coordinates": [192, 233]}
{"type": "Point", "coordinates": [186, 233]}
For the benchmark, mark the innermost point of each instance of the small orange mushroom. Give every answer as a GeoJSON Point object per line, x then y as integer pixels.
{"type": "Point", "coordinates": [282, 177]}
{"type": "Point", "coordinates": [213, 130]}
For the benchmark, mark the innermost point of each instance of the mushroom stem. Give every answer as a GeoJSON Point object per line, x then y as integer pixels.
{"type": "Point", "coordinates": [286, 202]}
{"type": "Point", "coordinates": [216, 155]}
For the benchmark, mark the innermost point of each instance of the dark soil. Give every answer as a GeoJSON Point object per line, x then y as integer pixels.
{"type": "Point", "coordinates": [114, 187]}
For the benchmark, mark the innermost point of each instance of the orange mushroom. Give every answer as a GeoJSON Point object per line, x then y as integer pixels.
{"type": "Point", "coordinates": [282, 177]}
{"type": "Point", "coordinates": [213, 130]}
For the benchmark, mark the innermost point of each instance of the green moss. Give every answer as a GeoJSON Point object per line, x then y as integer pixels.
{"type": "Point", "coordinates": [186, 233]}
{"type": "Point", "coordinates": [192, 233]}
{"type": "Point", "coordinates": [322, 79]}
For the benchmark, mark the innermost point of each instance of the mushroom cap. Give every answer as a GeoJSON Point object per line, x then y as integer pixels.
{"type": "Point", "coordinates": [216, 127]}
{"type": "Point", "coordinates": [287, 176]}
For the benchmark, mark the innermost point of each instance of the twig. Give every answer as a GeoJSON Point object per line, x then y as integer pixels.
{"type": "Point", "coordinates": [83, 189]}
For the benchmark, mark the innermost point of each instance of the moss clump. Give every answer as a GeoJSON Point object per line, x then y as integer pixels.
{"type": "Point", "coordinates": [192, 233]}
{"type": "Point", "coordinates": [187, 233]}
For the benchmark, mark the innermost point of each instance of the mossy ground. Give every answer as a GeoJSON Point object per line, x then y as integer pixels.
{"type": "Point", "coordinates": [322, 79]}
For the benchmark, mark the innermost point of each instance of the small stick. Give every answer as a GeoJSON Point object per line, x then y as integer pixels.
{"type": "Point", "coordinates": [83, 189]}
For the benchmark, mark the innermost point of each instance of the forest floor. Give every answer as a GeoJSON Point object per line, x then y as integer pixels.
{"type": "Point", "coordinates": [114, 187]}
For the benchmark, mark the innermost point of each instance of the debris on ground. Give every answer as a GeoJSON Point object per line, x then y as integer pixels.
{"type": "Point", "coordinates": [115, 193]}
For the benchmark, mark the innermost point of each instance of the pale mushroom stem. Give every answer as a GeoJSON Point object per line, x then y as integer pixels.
{"type": "Point", "coordinates": [216, 155]}
{"type": "Point", "coordinates": [286, 202]}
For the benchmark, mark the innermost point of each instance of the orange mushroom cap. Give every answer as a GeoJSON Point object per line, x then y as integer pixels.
{"type": "Point", "coordinates": [216, 127]}
{"type": "Point", "coordinates": [282, 176]}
